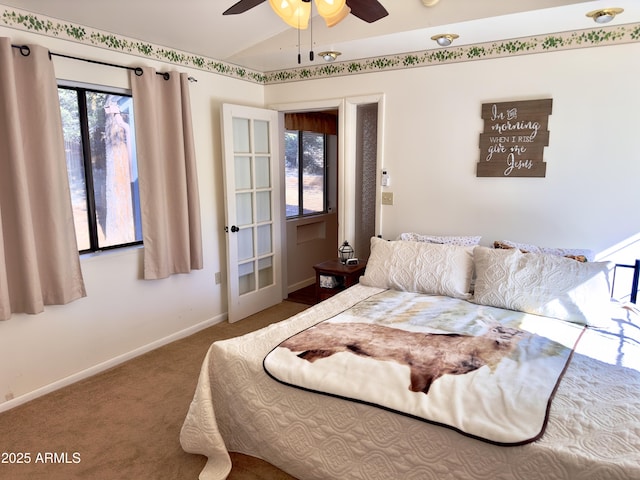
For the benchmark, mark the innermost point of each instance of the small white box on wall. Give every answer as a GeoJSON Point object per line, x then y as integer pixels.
{"type": "Point", "coordinates": [386, 180]}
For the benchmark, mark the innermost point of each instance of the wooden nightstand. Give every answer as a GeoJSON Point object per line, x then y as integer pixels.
{"type": "Point", "coordinates": [344, 275]}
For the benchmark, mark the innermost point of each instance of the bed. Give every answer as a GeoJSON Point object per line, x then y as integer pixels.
{"type": "Point", "coordinates": [591, 421]}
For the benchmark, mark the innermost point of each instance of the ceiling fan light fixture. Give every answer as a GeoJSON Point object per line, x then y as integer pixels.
{"type": "Point", "coordinates": [336, 18]}
{"type": "Point", "coordinates": [294, 13]}
{"type": "Point", "coordinates": [604, 15]}
{"type": "Point", "coordinates": [444, 39]}
{"type": "Point", "coordinates": [329, 8]}
{"type": "Point", "coordinates": [329, 56]}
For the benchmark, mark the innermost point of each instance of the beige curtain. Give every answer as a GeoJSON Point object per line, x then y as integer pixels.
{"type": "Point", "coordinates": [39, 262]}
{"type": "Point", "coordinates": [170, 206]}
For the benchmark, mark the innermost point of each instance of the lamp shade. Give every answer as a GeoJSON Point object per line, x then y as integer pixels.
{"type": "Point", "coordinates": [333, 11]}
{"type": "Point", "coordinates": [330, 7]}
{"type": "Point", "coordinates": [284, 8]}
{"type": "Point", "coordinates": [295, 13]}
{"type": "Point", "coordinates": [337, 18]}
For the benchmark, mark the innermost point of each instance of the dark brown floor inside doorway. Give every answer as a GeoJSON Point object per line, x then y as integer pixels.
{"type": "Point", "coordinates": [306, 295]}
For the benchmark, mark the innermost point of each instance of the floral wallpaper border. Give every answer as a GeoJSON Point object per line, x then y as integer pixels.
{"type": "Point", "coordinates": [601, 36]}
{"type": "Point", "coordinates": [505, 48]}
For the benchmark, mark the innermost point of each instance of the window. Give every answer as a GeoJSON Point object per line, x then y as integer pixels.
{"type": "Point", "coordinates": [305, 173]}
{"type": "Point", "coordinates": [101, 163]}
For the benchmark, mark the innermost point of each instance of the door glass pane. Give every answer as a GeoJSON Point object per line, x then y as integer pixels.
{"type": "Point", "coordinates": [245, 243]}
{"type": "Point", "coordinates": [244, 208]}
{"type": "Point", "coordinates": [264, 239]}
{"type": "Point", "coordinates": [265, 272]}
{"type": "Point", "coordinates": [243, 173]}
{"type": "Point", "coordinates": [241, 135]}
{"type": "Point", "coordinates": [246, 278]}
{"type": "Point", "coordinates": [261, 132]}
{"type": "Point", "coordinates": [263, 172]}
{"type": "Point", "coordinates": [263, 206]}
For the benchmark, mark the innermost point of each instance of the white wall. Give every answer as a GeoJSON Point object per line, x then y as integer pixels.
{"type": "Point", "coordinates": [123, 315]}
{"type": "Point", "coordinates": [590, 196]}
{"type": "Point", "coordinates": [431, 127]}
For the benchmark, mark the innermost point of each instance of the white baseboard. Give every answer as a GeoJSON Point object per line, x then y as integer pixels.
{"type": "Point", "coordinates": [302, 284]}
{"type": "Point", "coordinates": [101, 367]}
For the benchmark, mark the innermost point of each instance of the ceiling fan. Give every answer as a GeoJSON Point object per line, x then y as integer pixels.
{"type": "Point", "coordinates": [368, 10]}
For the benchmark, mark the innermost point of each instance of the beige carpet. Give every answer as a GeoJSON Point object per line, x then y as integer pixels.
{"type": "Point", "coordinates": [125, 423]}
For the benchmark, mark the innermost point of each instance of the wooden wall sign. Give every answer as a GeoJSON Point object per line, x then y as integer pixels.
{"type": "Point", "coordinates": [514, 137]}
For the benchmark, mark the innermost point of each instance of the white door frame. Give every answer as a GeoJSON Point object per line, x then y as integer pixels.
{"type": "Point", "coordinates": [349, 172]}
{"type": "Point", "coordinates": [347, 125]}
{"type": "Point", "coordinates": [309, 107]}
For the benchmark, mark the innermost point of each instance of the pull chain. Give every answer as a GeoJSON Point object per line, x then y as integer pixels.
{"type": "Point", "coordinates": [311, 32]}
{"type": "Point", "coordinates": [299, 56]}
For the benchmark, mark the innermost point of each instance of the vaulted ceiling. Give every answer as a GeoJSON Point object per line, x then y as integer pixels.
{"type": "Point", "coordinates": [259, 40]}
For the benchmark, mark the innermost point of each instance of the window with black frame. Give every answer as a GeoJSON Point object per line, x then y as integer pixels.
{"type": "Point", "coordinates": [99, 136]}
{"type": "Point", "coordinates": [305, 173]}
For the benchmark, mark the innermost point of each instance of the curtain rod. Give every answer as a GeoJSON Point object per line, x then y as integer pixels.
{"type": "Point", "coordinates": [25, 51]}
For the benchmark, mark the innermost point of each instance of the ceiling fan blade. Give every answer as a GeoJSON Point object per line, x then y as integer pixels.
{"type": "Point", "coordinates": [368, 10]}
{"type": "Point", "coordinates": [242, 6]}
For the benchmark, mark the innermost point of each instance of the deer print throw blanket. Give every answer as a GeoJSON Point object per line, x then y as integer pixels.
{"type": "Point", "coordinates": [486, 372]}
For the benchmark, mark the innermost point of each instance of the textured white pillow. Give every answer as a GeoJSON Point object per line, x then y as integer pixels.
{"type": "Point", "coordinates": [420, 267]}
{"type": "Point", "coordinates": [463, 241]}
{"type": "Point", "coordinates": [542, 284]}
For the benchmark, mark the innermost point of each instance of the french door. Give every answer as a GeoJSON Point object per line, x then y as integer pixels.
{"type": "Point", "coordinates": [251, 166]}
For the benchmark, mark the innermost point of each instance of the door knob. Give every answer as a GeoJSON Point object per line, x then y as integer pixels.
{"type": "Point", "coordinates": [234, 229]}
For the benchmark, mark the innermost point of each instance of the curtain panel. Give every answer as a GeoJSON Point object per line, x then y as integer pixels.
{"type": "Point", "coordinates": [169, 200]}
{"type": "Point", "coordinates": [39, 261]}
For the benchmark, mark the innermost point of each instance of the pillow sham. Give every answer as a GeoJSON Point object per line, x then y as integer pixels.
{"type": "Point", "coordinates": [542, 284]}
{"type": "Point", "coordinates": [420, 267]}
{"type": "Point", "coordinates": [580, 254]}
{"type": "Point", "coordinates": [463, 241]}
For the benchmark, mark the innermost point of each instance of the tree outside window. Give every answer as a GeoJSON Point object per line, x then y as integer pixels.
{"type": "Point", "coordinates": [99, 137]}
{"type": "Point", "coordinates": [305, 173]}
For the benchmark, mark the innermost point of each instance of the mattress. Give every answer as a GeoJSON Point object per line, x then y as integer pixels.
{"type": "Point", "coordinates": [593, 430]}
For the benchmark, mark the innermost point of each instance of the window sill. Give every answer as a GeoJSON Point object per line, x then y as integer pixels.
{"type": "Point", "coordinates": [116, 252]}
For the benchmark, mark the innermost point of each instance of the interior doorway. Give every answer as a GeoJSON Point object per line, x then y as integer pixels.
{"type": "Point", "coordinates": [311, 197]}
{"type": "Point", "coordinates": [356, 175]}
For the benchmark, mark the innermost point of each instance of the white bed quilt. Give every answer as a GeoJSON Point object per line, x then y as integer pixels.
{"type": "Point", "coordinates": [593, 430]}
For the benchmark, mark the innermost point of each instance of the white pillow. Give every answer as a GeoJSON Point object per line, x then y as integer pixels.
{"type": "Point", "coordinates": [463, 241]}
{"type": "Point", "coordinates": [420, 267]}
{"type": "Point", "coordinates": [542, 284]}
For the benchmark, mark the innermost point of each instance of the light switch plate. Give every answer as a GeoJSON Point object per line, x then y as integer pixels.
{"type": "Point", "coordinates": [387, 198]}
